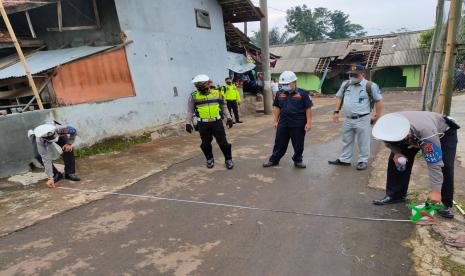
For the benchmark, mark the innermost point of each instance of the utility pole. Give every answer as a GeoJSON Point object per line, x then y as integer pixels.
{"type": "Point", "coordinates": [445, 98]}
{"type": "Point", "coordinates": [21, 55]}
{"type": "Point", "coordinates": [267, 95]}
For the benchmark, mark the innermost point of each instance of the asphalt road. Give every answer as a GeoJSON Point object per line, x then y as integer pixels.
{"type": "Point", "coordinates": [122, 235]}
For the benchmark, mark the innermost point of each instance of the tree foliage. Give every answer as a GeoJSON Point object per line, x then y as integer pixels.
{"type": "Point", "coordinates": [320, 23]}
{"type": "Point", "coordinates": [425, 40]}
{"type": "Point", "coordinates": [274, 35]}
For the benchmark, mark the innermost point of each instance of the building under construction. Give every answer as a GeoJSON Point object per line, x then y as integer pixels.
{"type": "Point", "coordinates": [392, 60]}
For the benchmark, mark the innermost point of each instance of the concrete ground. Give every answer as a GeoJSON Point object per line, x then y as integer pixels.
{"type": "Point", "coordinates": [134, 236]}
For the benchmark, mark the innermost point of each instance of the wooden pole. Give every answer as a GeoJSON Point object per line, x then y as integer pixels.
{"type": "Point", "coordinates": [449, 60]}
{"type": "Point", "coordinates": [21, 55]}
{"type": "Point", "coordinates": [432, 53]}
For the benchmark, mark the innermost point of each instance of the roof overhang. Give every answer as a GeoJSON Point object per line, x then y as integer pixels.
{"type": "Point", "coordinates": [236, 11]}
{"type": "Point", "coordinates": [14, 6]}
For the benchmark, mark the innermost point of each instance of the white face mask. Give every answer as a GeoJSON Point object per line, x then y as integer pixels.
{"type": "Point", "coordinates": [354, 80]}
{"type": "Point", "coordinates": [286, 87]}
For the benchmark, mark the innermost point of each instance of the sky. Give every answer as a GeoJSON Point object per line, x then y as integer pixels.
{"type": "Point", "coordinates": [376, 16]}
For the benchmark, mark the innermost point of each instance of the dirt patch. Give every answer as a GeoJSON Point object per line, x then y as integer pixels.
{"type": "Point", "coordinates": [105, 224]}
{"type": "Point", "coordinates": [32, 266]}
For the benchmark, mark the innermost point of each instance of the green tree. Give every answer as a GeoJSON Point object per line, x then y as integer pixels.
{"type": "Point", "coordinates": [275, 37]}
{"type": "Point", "coordinates": [320, 23]}
{"type": "Point", "coordinates": [341, 27]}
{"type": "Point", "coordinates": [425, 40]}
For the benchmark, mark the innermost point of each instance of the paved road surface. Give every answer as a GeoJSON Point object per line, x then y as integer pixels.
{"type": "Point", "coordinates": [119, 235]}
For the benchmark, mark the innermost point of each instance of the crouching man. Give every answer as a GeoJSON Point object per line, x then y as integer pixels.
{"type": "Point", "coordinates": [50, 142]}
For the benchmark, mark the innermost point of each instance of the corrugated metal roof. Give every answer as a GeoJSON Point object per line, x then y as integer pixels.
{"type": "Point", "coordinates": [296, 65]}
{"type": "Point", "coordinates": [45, 60]}
{"type": "Point", "coordinates": [403, 58]}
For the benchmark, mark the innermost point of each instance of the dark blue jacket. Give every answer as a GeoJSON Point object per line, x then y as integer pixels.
{"type": "Point", "coordinates": [293, 107]}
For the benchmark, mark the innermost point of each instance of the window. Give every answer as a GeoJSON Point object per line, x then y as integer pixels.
{"type": "Point", "coordinates": [202, 18]}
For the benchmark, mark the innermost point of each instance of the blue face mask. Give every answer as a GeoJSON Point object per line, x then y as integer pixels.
{"type": "Point", "coordinates": [286, 87]}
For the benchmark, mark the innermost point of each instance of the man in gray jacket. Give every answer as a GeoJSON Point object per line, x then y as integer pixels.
{"type": "Point", "coordinates": [406, 133]}
{"type": "Point", "coordinates": [49, 142]}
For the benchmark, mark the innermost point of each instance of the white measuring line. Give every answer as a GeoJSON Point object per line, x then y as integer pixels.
{"type": "Point", "coordinates": [233, 206]}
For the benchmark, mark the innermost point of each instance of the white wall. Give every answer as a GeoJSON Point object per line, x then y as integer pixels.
{"type": "Point", "coordinates": [168, 50]}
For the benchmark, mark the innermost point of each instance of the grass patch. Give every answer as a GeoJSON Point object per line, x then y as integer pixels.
{"type": "Point", "coordinates": [453, 267]}
{"type": "Point", "coordinates": [112, 145]}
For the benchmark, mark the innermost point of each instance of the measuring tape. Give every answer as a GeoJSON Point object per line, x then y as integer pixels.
{"type": "Point", "coordinates": [207, 203]}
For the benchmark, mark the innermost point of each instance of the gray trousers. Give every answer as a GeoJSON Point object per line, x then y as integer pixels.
{"type": "Point", "coordinates": [360, 130]}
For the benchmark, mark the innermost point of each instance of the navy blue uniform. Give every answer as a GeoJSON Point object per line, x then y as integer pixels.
{"type": "Point", "coordinates": [292, 121]}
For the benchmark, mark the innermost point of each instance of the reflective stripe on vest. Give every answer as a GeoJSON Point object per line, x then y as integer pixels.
{"type": "Point", "coordinates": [207, 106]}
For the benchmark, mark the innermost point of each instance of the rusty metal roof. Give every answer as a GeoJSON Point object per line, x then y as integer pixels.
{"type": "Point", "coordinates": [13, 6]}
{"type": "Point", "coordinates": [398, 50]}
{"type": "Point", "coordinates": [236, 11]}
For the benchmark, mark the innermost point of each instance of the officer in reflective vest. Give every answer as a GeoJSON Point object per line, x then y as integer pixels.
{"type": "Point", "coordinates": [408, 132]}
{"type": "Point", "coordinates": [233, 98]}
{"type": "Point", "coordinates": [206, 103]}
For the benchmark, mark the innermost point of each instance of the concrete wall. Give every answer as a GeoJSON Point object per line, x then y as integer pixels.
{"type": "Point", "coordinates": [15, 148]}
{"type": "Point", "coordinates": [307, 81]}
{"type": "Point", "coordinates": [412, 75]}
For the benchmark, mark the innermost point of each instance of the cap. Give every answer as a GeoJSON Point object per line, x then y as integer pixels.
{"type": "Point", "coordinates": [356, 69]}
{"type": "Point", "coordinates": [391, 128]}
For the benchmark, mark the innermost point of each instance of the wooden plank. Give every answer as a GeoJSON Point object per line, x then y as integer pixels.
{"type": "Point", "coordinates": [31, 28]}
{"type": "Point", "coordinates": [77, 28]}
{"type": "Point", "coordinates": [97, 17]}
{"type": "Point", "coordinates": [60, 17]}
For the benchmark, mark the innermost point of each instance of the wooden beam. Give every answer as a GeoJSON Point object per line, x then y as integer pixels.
{"type": "Point", "coordinates": [29, 22]}
{"type": "Point", "coordinates": [21, 56]}
{"type": "Point", "coordinates": [60, 17]}
{"type": "Point", "coordinates": [97, 17]}
{"type": "Point", "coordinates": [77, 28]}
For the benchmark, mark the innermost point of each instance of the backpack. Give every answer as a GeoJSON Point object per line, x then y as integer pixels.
{"type": "Point", "coordinates": [368, 89]}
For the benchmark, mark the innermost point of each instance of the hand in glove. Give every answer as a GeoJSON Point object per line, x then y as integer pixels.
{"type": "Point", "coordinates": [229, 123]}
{"type": "Point", "coordinates": [189, 128]}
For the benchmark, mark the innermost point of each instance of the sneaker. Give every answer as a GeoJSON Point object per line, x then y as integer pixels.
{"type": "Point", "coordinates": [210, 163]}
{"type": "Point", "coordinates": [361, 166]}
{"type": "Point", "coordinates": [300, 165]}
{"type": "Point", "coordinates": [229, 164]}
{"type": "Point", "coordinates": [446, 212]}
{"type": "Point", "coordinates": [72, 177]}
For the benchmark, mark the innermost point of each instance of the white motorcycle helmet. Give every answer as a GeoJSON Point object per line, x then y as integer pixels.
{"type": "Point", "coordinates": [47, 132]}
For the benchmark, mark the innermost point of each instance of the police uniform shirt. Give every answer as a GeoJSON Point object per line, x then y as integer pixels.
{"type": "Point", "coordinates": [356, 99]}
{"type": "Point", "coordinates": [429, 127]}
{"type": "Point", "coordinates": [293, 106]}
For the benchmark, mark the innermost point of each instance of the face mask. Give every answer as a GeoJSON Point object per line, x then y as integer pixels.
{"type": "Point", "coordinates": [286, 88]}
{"type": "Point", "coordinates": [354, 80]}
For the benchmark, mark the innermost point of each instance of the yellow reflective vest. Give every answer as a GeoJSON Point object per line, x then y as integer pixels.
{"type": "Point", "coordinates": [231, 93]}
{"type": "Point", "coordinates": [208, 106]}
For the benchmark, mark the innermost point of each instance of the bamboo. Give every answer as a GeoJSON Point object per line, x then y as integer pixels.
{"type": "Point", "coordinates": [21, 55]}
{"type": "Point", "coordinates": [432, 53]}
{"type": "Point", "coordinates": [446, 81]}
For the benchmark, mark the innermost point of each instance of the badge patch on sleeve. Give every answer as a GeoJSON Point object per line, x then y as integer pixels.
{"type": "Point", "coordinates": [431, 152]}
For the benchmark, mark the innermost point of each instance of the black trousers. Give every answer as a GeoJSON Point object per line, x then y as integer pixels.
{"type": "Point", "coordinates": [68, 157]}
{"type": "Point", "coordinates": [207, 132]}
{"type": "Point", "coordinates": [283, 135]}
{"type": "Point", "coordinates": [233, 108]}
{"type": "Point", "coordinates": [397, 182]}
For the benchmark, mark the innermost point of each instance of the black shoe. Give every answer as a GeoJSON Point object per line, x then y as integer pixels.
{"type": "Point", "coordinates": [229, 164]}
{"type": "Point", "coordinates": [446, 213]}
{"type": "Point", "coordinates": [339, 163]}
{"type": "Point", "coordinates": [361, 166]}
{"type": "Point", "coordinates": [57, 177]}
{"type": "Point", "coordinates": [210, 163]}
{"type": "Point", "coordinates": [269, 164]}
{"type": "Point", "coordinates": [388, 200]}
{"type": "Point", "coordinates": [72, 177]}
{"type": "Point", "coordinates": [300, 165]}
{"type": "Point", "coordinates": [239, 122]}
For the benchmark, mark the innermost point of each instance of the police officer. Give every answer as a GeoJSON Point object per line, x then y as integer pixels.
{"type": "Point", "coordinates": [206, 103]}
{"type": "Point", "coordinates": [357, 97]}
{"type": "Point", "coordinates": [49, 142]}
{"type": "Point", "coordinates": [292, 119]}
{"type": "Point", "coordinates": [233, 98]}
{"type": "Point", "coordinates": [405, 133]}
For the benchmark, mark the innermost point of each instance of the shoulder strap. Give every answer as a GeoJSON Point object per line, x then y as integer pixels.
{"type": "Point", "coordinates": [369, 89]}
{"type": "Point", "coordinates": [346, 85]}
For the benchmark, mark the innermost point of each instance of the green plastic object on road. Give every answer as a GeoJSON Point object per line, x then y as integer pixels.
{"type": "Point", "coordinates": [424, 211]}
